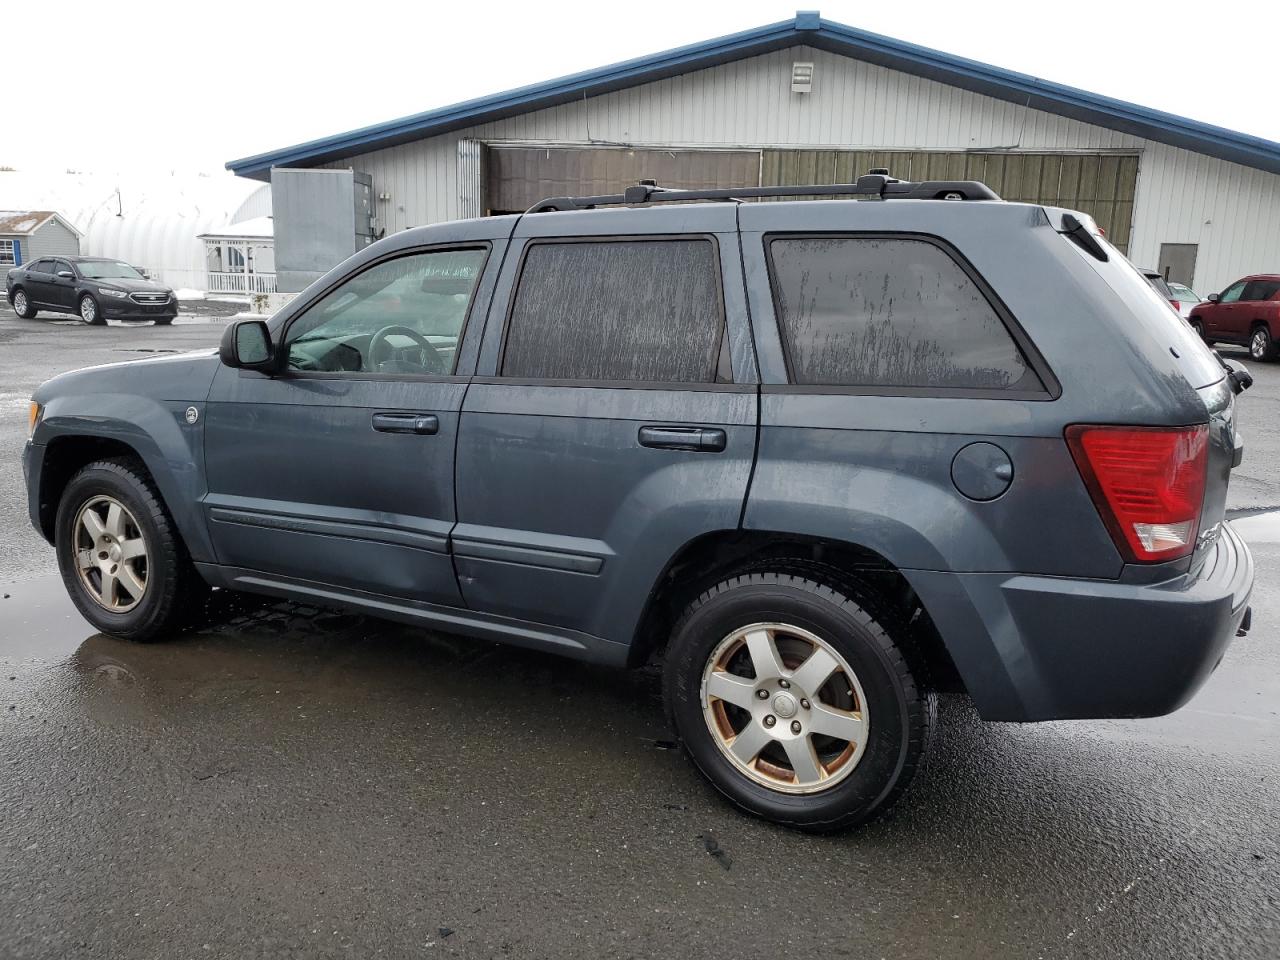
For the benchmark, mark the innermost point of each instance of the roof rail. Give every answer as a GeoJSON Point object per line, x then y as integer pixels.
{"type": "Point", "coordinates": [874, 186]}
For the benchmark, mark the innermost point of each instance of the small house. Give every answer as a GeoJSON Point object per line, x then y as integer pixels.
{"type": "Point", "coordinates": [28, 234]}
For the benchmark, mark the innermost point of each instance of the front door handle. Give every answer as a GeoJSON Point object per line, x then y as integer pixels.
{"type": "Point", "coordinates": [420, 423]}
{"type": "Point", "coordinates": [705, 439]}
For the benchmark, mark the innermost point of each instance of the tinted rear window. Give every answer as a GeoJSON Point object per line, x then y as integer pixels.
{"type": "Point", "coordinates": [1260, 290]}
{"type": "Point", "coordinates": [1196, 361]}
{"type": "Point", "coordinates": [617, 310]}
{"type": "Point", "coordinates": [1162, 288]}
{"type": "Point", "coordinates": [889, 312]}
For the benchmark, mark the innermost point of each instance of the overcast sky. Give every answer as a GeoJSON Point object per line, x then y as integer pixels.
{"type": "Point", "coordinates": [184, 86]}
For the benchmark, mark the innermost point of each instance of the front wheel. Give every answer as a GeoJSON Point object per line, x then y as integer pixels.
{"type": "Point", "coordinates": [1261, 346]}
{"type": "Point", "coordinates": [795, 702]}
{"type": "Point", "coordinates": [1197, 328]}
{"type": "Point", "coordinates": [22, 306]}
{"type": "Point", "coordinates": [120, 556]}
{"type": "Point", "coordinates": [89, 311]}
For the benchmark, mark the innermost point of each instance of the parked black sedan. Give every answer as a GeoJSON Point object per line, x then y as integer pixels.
{"type": "Point", "coordinates": [95, 288]}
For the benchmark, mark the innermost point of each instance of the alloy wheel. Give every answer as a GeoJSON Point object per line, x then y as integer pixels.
{"type": "Point", "coordinates": [19, 303]}
{"type": "Point", "coordinates": [110, 554]}
{"type": "Point", "coordinates": [88, 310]}
{"type": "Point", "coordinates": [1258, 345]}
{"type": "Point", "coordinates": [785, 708]}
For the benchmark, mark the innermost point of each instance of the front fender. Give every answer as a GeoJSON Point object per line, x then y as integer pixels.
{"type": "Point", "coordinates": [157, 431]}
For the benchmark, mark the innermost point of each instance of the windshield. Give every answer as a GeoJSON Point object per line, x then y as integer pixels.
{"type": "Point", "coordinates": [108, 270]}
{"type": "Point", "coordinates": [1183, 293]}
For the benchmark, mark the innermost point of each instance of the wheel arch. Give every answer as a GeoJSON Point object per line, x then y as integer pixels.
{"type": "Point", "coordinates": [64, 457]}
{"type": "Point", "coordinates": [867, 575]}
{"type": "Point", "coordinates": [172, 471]}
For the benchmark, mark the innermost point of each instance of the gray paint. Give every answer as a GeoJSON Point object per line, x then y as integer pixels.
{"type": "Point", "coordinates": [558, 523]}
{"type": "Point", "coordinates": [50, 239]}
{"type": "Point", "coordinates": [321, 218]}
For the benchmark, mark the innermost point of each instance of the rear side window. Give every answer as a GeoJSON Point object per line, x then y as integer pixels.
{"type": "Point", "coordinates": [890, 313]}
{"type": "Point", "coordinates": [646, 310]}
{"type": "Point", "coordinates": [1260, 290]}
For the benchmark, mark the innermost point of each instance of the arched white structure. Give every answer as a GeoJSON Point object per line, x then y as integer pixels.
{"type": "Point", "coordinates": [151, 221]}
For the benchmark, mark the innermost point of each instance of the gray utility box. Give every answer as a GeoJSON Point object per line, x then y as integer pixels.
{"type": "Point", "coordinates": [321, 217]}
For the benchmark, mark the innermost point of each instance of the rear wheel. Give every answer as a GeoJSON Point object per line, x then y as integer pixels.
{"type": "Point", "coordinates": [795, 702]}
{"type": "Point", "coordinates": [22, 306]}
{"type": "Point", "coordinates": [120, 556]}
{"type": "Point", "coordinates": [1261, 346]}
{"type": "Point", "coordinates": [89, 311]}
{"type": "Point", "coordinates": [1197, 328]}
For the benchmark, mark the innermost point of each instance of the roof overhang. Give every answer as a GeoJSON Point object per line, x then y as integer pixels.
{"type": "Point", "coordinates": [806, 28]}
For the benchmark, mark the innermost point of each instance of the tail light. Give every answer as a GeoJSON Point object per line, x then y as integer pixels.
{"type": "Point", "coordinates": [1147, 483]}
{"type": "Point", "coordinates": [1176, 306]}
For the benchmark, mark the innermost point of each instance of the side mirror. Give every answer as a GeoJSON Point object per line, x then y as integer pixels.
{"type": "Point", "coordinates": [247, 344]}
{"type": "Point", "coordinates": [66, 275]}
{"type": "Point", "coordinates": [1214, 298]}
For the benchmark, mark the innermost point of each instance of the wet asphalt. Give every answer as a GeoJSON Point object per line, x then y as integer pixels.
{"type": "Point", "coordinates": [292, 782]}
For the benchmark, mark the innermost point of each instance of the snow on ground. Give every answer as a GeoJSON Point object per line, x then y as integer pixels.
{"type": "Point", "coordinates": [187, 293]}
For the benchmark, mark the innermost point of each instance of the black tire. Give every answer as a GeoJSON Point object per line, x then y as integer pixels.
{"type": "Point", "coordinates": [173, 587]}
{"type": "Point", "coordinates": [1197, 328]}
{"type": "Point", "coordinates": [901, 713]}
{"type": "Point", "coordinates": [93, 317]}
{"type": "Point", "coordinates": [28, 312]}
{"type": "Point", "coordinates": [163, 321]}
{"type": "Point", "coordinates": [1261, 346]}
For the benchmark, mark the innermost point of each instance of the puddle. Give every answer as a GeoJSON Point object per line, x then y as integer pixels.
{"type": "Point", "coordinates": [1259, 527]}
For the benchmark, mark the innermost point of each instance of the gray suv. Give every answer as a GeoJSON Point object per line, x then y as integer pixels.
{"type": "Point", "coordinates": [822, 458]}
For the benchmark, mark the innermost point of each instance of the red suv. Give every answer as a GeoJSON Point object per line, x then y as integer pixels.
{"type": "Point", "coordinates": [1247, 313]}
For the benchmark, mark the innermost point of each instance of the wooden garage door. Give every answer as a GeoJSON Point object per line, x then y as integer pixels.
{"type": "Point", "coordinates": [518, 177]}
{"type": "Point", "coordinates": [1099, 184]}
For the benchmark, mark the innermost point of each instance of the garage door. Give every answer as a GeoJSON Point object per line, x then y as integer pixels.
{"type": "Point", "coordinates": [518, 177]}
{"type": "Point", "coordinates": [1099, 184]}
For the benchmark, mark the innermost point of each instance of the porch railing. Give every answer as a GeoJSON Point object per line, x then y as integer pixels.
{"type": "Point", "coordinates": [242, 282]}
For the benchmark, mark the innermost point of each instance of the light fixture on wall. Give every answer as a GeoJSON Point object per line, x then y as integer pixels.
{"type": "Point", "coordinates": [801, 77]}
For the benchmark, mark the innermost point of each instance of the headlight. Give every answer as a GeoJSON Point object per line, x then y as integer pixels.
{"type": "Point", "coordinates": [33, 418]}
{"type": "Point", "coordinates": [107, 291]}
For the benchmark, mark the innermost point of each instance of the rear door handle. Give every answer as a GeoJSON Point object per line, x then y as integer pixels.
{"type": "Point", "coordinates": [705, 439]}
{"type": "Point", "coordinates": [420, 423]}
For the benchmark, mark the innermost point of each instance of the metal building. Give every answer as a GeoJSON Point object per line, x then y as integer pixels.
{"type": "Point", "coordinates": [810, 100]}
{"type": "Point", "coordinates": [150, 221]}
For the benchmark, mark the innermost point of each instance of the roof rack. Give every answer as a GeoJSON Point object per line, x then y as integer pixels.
{"type": "Point", "coordinates": [877, 185]}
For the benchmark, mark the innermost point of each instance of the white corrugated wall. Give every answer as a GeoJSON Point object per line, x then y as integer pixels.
{"type": "Point", "coordinates": [150, 221]}
{"type": "Point", "coordinates": [1231, 212]}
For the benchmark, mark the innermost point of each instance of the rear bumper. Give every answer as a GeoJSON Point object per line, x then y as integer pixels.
{"type": "Point", "coordinates": [1044, 648]}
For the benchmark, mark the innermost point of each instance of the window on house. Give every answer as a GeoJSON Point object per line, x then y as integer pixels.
{"type": "Point", "coordinates": [8, 254]}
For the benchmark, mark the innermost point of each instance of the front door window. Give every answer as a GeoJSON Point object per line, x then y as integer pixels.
{"type": "Point", "coordinates": [401, 316]}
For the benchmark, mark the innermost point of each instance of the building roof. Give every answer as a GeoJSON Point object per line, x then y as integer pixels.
{"type": "Point", "coordinates": [23, 223]}
{"type": "Point", "coordinates": [259, 228]}
{"type": "Point", "coordinates": [807, 28]}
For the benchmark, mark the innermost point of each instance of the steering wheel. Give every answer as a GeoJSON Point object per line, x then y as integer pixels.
{"type": "Point", "coordinates": [431, 358]}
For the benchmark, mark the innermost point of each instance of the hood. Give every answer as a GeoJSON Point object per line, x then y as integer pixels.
{"type": "Point", "coordinates": [183, 377]}
{"type": "Point", "coordinates": [131, 286]}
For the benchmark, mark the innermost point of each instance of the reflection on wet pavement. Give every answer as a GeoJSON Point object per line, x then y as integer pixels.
{"type": "Point", "coordinates": [293, 781]}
